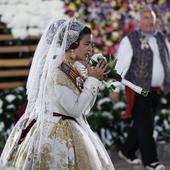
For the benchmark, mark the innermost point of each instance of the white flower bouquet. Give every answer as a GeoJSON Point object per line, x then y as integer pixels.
{"type": "Point", "coordinates": [113, 75]}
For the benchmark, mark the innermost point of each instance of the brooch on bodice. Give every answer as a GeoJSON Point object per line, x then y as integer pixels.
{"type": "Point", "coordinates": [144, 43]}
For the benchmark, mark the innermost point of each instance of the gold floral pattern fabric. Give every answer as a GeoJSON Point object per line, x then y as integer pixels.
{"type": "Point", "coordinates": [64, 148]}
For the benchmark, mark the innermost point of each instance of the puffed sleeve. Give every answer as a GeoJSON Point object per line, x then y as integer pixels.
{"type": "Point", "coordinates": [124, 56]}
{"type": "Point", "coordinates": [73, 104]}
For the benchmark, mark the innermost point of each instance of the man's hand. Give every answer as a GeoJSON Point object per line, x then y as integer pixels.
{"type": "Point", "coordinates": [115, 96]}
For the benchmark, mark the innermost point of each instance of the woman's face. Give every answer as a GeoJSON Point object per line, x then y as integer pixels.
{"type": "Point", "coordinates": [84, 50]}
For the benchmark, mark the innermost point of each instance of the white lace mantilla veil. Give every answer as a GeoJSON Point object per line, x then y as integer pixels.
{"type": "Point", "coordinates": [49, 55]}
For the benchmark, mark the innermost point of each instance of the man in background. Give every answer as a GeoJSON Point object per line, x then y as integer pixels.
{"type": "Point", "coordinates": [144, 59]}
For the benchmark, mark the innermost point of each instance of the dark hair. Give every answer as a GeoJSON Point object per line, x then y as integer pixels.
{"type": "Point", "coordinates": [86, 30]}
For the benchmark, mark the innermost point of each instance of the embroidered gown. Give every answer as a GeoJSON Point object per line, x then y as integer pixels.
{"type": "Point", "coordinates": [68, 141]}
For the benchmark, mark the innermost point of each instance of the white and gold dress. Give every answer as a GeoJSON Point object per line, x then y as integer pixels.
{"type": "Point", "coordinates": [68, 142]}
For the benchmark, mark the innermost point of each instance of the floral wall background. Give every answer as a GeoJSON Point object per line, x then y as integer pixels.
{"type": "Point", "coordinates": [110, 20]}
{"type": "Point", "coordinates": [25, 17]}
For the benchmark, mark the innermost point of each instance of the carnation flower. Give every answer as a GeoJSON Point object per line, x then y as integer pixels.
{"type": "Point", "coordinates": [10, 98]}
{"type": "Point", "coordinates": [2, 125]}
{"type": "Point", "coordinates": [1, 103]}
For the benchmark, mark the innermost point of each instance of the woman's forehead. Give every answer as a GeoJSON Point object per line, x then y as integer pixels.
{"type": "Point", "coordinates": [86, 37]}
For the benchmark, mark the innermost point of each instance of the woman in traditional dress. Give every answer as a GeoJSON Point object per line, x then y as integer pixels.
{"type": "Point", "coordinates": [53, 133]}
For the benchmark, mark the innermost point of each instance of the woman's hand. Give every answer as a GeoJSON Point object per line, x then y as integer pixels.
{"type": "Point", "coordinates": [99, 71]}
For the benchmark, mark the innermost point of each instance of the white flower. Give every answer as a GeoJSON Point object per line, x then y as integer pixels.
{"type": "Point", "coordinates": [122, 125]}
{"type": "Point", "coordinates": [163, 111]}
{"type": "Point", "coordinates": [11, 106]}
{"type": "Point", "coordinates": [20, 21]}
{"type": "Point", "coordinates": [166, 124]}
{"type": "Point", "coordinates": [119, 105]}
{"type": "Point", "coordinates": [125, 134]}
{"type": "Point", "coordinates": [155, 134]}
{"type": "Point", "coordinates": [102, 86]}
{"type": "Point", "coordinates": [1, 103]}
{"type": "Point", "coordinates": [33, 21]}
{"type": "Point", "coordinates": [102, 101]}
{"type": "Point", "coordinates": [107, 114]}
{"type": "Point", "coordinates": [114, 134]}
{"type": "Point", "coordinates": [156, 118]}
{"type": "Point", "coordinates": [106, 136]}
{"type": "Point", "coordinates": [159, 128]}
{"type": "Point", "coordinates": [19, 97]}
{"type": "Point", "coordinates": [34, 31]}
{"type": "Point", "coordinates": [6, 18]}
{"type": "Point", "coordinates": [96, 58]}
{"type": "Point", "coordinates": [164, 101]}
{"type": "Point", "coordinates": [19, 32]}
{"type": "Point", "coordinates": [1, 111]}
{"type": "Point", "coordinates": [18, 89]}
{"type": "Point", "coordinates": [115, 34]}
{"type": "Point", "coordinates": [2, 125]}
{"type": "Point", "coordinates": [10, 97]}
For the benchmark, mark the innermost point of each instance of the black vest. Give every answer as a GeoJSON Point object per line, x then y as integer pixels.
{"type": "Point", "coordinates": [140, 70]}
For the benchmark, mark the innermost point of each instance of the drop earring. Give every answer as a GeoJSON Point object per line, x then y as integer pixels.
{"type": "Point", "coordinates": [73, 55]}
